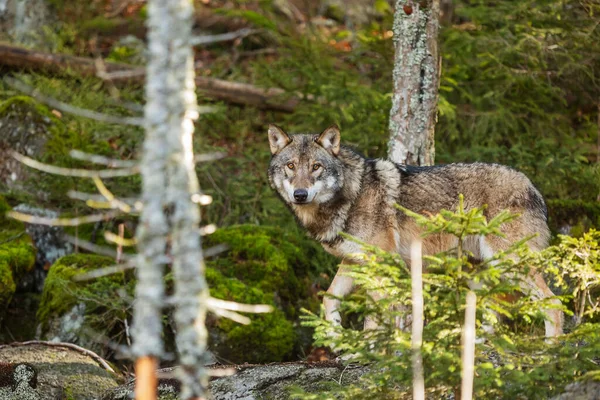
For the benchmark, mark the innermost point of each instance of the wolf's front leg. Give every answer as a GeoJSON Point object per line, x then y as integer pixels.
{"type": "Point", "coordinates": [340, 286]}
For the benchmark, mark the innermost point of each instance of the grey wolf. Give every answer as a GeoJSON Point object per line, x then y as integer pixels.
{"type": "Point", "coordinates": [331, 189]}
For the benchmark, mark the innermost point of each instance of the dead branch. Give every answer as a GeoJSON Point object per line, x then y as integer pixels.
{"type": "Point", "coordinates": [223, 37]}
{"type": "Point", "coordinates": [98, 159]}
{"type": "Point", "coordinates": [94, 248]}
{"type": "Point", "coordinates": [231, 92]}
{"type": "Point", "coordinates": [33, 219]}
{"type": "Point", "coordinates": [100, 272]}
{"type": "Point", "coordinates": [74, 172]}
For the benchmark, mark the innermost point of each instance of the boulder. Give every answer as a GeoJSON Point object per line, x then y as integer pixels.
{"type": "Point", "coordinates": [250, 382]}
{"type": "Point", "coordinates": [53, 371]}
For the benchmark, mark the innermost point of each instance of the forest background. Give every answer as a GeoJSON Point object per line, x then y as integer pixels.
{"type": "Point", "coordinates": [520, 86]}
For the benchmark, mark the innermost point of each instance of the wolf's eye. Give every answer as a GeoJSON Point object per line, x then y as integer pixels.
{"type": "Point", "coordinates": [316, 166]}
{"type": "Point", "coordinates": [290, 165]}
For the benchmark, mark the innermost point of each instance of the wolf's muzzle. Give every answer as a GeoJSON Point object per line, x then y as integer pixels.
{"type": "Point", "coordinates": [300, 195]}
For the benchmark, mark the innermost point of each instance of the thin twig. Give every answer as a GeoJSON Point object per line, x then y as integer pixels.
{"type": "Point", "coordinates": [79, 173]}
{"type": "Point", "coordinates": [72, 346]}
{"type": "Point", "coordinates": [93, 199]}
{"type": "Point", "coordinates": [65, 107]}
{"type": "Point", "coordinates": [224, 37]}
{"type": "Point", "coordinates": [110, 198]}
{"type": "Point", "coordinates": [102, 160]}
{"type": "Point", "coordinates": [120, 244]}
{"type": "Point", "coordinates": [94, 248]}
{"type": "Point", "coordinates": [33, 219]}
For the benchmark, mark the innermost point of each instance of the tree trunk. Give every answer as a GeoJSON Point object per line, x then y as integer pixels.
{"type": "Point", "coordinates": [169, 181]}
{"type": "Point", "coordinates": [416, 81]}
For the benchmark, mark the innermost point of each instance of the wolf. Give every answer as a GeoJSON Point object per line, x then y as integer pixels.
{"type": "Point", "coordinates": [330, 188]}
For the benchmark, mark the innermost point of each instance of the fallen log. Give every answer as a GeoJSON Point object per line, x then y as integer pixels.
{"type": "Point", "coordinates": [118, 73]}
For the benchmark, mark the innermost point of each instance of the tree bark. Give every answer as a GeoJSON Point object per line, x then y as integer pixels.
{"type": "Point", "coordinates": [219, 89]}
{"type": "Point", "coordinates": [416, 81]}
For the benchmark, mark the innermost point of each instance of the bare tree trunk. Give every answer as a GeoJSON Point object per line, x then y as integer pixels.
{"type": "Point", "coordinates": [191, 290]}
{"type": "Point", "coordinates": [416, 82]}
{"type": "Point", "coordinates": [169, 181]}
{"type": "Point", "coordinates": [416, 269]}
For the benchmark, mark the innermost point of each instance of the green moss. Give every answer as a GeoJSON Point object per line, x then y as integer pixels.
{"type": "Point", "coordinates": [270, 337]}
{"type": "Point", "coordinates": [266, 265]}
{"type": "Point", "coordinates": [61, 293]}
{"type": "Point", "coordinates": [7, 286]}
{"type": "Point", "coordinates": [14, 106]}
{"type": "Point", "coordinates": [17, 255]}
{"type": "Point", "coordinates": [271, 259]}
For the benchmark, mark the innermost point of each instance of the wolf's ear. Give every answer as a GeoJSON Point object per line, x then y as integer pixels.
{"type": "Point", "coordinates": [330, 139]}
{"type": "Point", "coordinates": [278, 139]}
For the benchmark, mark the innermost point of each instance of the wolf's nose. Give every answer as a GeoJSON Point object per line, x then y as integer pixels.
{"type": "Point", "coordinates": [300, 194]}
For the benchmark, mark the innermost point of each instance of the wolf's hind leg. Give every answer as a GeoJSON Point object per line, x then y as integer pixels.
{"type": "Point", "coordinates": [535, 285]}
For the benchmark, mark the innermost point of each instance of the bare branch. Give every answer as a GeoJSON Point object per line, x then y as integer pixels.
{"type": "Point", "coordinates": [33, 219]}
{"type": "Point", "coordinates": [224, 37]}
{"type": "Point", "coordinates": [75, 172]}
{"type": "Point", "coordinates": [102, 160]}
{"type": "Point", "coordinates": [94, 248]}
{"type": "Point", "coordinates": [232, 315]}
{"type": "Point", "coordinates": [100, 272]}
{"type": "Point", "coordinates": [215, 250]}
{"type": "Point", "coordinates": [234, 306]}
{"type": "Point", "coordinates": [109, 196]}
{"type": "Point", "coordinates": [119, 239]}
{"type": "Point", "coordinates": [65, 107]}
{"type": "Point", "coordinates": [99, 201]}
{"type": "Point", "coordinates": [200, 158]}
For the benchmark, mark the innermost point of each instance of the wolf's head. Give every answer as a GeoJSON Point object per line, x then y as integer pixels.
{"type": "Point", "coordinates": [305, 168]}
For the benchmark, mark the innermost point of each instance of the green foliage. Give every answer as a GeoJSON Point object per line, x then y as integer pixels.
{"type": "Point", "coordinates": [512, 363]}
{"type": "Point", "coordinates": [521, 79]}
{"type": "Point", "coordinates": [576, 264]}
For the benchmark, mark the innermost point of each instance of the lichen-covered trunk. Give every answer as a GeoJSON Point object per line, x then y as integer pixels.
{"type": "Point", "coordinates": [416, 81]}
{"type": "Point", "coordinates": [169, 182]}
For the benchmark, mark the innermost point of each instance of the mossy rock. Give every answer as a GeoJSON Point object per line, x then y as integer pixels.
{"type": "Point", "coordinates": [270, 337]}
{"type": "Point", "coordinates": [98, 301]}
{"type": "Point", "coordinates": [266, 265]}
{"type": "Point", "coordinates": [25, 127]}
{"type": "Point", "coordinates": [17, 256]}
